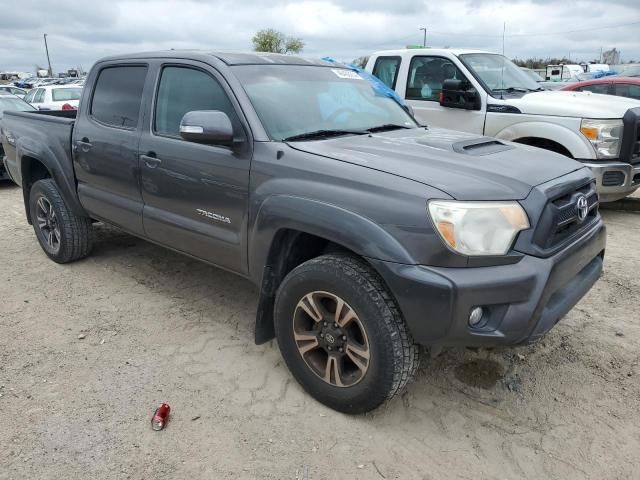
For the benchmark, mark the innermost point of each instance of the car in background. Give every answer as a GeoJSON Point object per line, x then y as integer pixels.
{"type": "Point", "coordinates": [26, 83]}
{"type": "Point", "coordinates": [487, 94]}
{"type": "Point", "coordinates": [631, 71]}
{"type": "Point", "coordinates": [620, 86]}
{"type": "Point", "coordinates": [18, 92]}
{"type": "Point", "coordinates": [536, 77]}
{"type": "Point", "coordinates": [9, 101]}
{"type": "Point", "coordinates": [55, 97]}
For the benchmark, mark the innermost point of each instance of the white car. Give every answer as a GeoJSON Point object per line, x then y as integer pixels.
{"type": "Point", "coordinates": [487, 94]}
{"type": "Point", "coordinates": [18, 92]}
{"type": "Point", "coordinates": [55, 97]}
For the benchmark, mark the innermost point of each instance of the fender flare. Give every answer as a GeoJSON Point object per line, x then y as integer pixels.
{"type": "Point", "coordinates": [336, 224]}
{"type": "Point", "coordinates": [342, 227]}
{"type": "Point", "coordinates": [578, 145]}
{"type": "Point", "coordinates": [63, 176]}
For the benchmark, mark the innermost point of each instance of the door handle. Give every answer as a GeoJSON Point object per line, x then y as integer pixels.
{"type": "Point", "coordinates": [150, 161]}
{"type": "Point", "coordinates": [83, 145]}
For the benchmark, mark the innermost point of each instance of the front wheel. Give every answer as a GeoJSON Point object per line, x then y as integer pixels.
{"type": "Point", "coordinates": [63, 235]}
{"type": "Point", "coordinates": [342, 335]}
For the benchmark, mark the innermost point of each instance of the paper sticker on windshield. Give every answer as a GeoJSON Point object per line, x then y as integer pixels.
{"type": "Point", "coordinates": [348, 74]}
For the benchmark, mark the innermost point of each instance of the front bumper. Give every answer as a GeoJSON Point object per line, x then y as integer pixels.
{"type": "Point", "coordinates": [521, 301]}
{"type": "Point", "coordinates": [614, 180]}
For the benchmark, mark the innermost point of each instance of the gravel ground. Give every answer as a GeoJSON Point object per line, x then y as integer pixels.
{"type": "Point", "coordinates": [160, 327]}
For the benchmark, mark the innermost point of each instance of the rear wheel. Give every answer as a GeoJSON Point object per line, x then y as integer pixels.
{"type": "Point", "coordinates": [342, 335]}
{"type": "Point", "coordinates": [63, 235]}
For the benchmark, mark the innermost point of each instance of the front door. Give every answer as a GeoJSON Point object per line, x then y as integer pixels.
{"type": "Point", "coordinates": [195, 195]}
{"type": "Point", "coordinates": [105, 146]}
{"type": "Point", "coordinates": [424, 85]}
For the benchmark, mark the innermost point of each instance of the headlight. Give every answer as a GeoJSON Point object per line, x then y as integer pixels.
{"type": "Point", "coordinates": [604, 135]}
{"type": "Point", "coordinates": [478, 228]}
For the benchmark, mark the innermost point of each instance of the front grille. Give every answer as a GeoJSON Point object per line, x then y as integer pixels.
{"type": "Point", "coordinates": [560, 219]}
{"type": "Point", "coordinates": [612, 179]}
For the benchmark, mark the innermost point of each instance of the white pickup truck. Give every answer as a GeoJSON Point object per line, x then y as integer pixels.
{"type": "Point", "coordinates": [487, 94]}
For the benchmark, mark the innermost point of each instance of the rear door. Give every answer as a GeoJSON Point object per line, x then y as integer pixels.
{"type": "Point", "coordinates": [105, 145]}
{"type": "Point", "coordinates": [195, 195]}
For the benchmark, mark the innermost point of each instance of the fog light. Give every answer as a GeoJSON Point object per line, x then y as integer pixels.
{"type": "Point", "coordinates": [475, 316]}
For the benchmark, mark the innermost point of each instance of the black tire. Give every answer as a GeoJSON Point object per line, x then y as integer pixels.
{"type": "Point", "coordinates": [393, 357]}
{"type": "Point", "coordinates": [74, 233]}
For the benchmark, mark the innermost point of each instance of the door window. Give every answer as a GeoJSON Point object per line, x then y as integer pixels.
{"type": "Point", "coordinates": [628, 90]}
{"type": "Point", "coordinates": [39, 96]}
{"type": "Point", "coordinates": [29, 97]}
{"type": "Point", "coordinates": [117, 96]}
{"type": "Point", "coordinates": [386, 69]}
{"type": "Point", "coordinates": [426, 76]}
{"type": "Point", "coordinates": [602, 88]}
{"type": "Point", "coordinates": [183, 90]}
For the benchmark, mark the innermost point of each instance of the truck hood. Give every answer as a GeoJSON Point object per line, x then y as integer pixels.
{"type": "Point", "coordinates": [491, 170]}
{"type": "Point", "coordinates": [570, 104]}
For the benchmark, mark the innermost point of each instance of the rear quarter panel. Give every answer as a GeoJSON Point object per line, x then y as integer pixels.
{"type": "Point", "coordinates": [47, 139]}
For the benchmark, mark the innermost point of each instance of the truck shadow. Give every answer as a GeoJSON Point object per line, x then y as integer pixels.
{"type": "Point", "coordinates": [180, 277]}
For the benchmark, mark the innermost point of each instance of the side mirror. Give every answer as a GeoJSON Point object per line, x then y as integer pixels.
{"type": "Point", "coordinates": [459, 94]}
{"type": "Point", "coordinates": [207, 126]}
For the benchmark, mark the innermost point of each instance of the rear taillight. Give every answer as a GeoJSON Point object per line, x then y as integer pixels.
{"type": "Point", "coordinates": [68, 106]}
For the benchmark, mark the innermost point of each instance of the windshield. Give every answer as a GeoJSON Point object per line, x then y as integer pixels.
{"type": "Point", "coordinates": [498, 73]}
{"type": "Point", "coordinates": [293, 100]}
{"type": "Point", "coordinates": [13, 103]}
{"type": "Point", "coordinates": [533, 75]}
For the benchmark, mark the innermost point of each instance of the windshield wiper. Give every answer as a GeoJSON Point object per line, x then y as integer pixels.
{"type": "Point", "coordinates": [323, 134]}
{"type": "Point", "coordinates": [387, 127]}
{"type": "Point", "coordinates": [512, 89]}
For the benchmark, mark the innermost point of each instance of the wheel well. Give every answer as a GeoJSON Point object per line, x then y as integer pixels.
{"type": "Point", "coordinates": [545, 144]}
{"type": "Point", "coordinates": [289, 249]}
{"type": "Point", "coordinates": [32, 171]}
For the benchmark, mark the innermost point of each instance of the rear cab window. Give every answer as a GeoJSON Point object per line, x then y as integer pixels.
{"type": "Point", "coordinates": [65, 94]}
{"type": "Point", "coordinates": [386, 69]}
{"type": "Point", "coordinates": [117, 96]}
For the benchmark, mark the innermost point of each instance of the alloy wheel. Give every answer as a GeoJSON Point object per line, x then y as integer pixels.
{"type": "Point", "coordinates": [48, 223]}
{"type": "Point", "coordinates": [331, 339]}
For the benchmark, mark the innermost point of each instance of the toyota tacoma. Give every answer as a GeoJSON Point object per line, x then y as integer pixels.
{"type": "Point", "coordinates": [367, 234]}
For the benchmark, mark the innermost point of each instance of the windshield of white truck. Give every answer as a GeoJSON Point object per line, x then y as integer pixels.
{"type": "Point", "coordinates": [498, 74]}
{"type": "Point", "coordinates": [307, 102]}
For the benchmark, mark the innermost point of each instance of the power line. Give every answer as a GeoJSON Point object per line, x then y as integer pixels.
{"type": "Point", "coordinates": [535, 34]}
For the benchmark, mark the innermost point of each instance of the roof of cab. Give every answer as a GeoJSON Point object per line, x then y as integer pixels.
{"type": "Point", "coordinates": [428, 51]}
{"type": "Point", "coordinates": [230, 58]}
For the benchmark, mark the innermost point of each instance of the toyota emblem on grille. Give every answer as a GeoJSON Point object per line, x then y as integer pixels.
{"type": "Point", "coordinates": [583, 207]}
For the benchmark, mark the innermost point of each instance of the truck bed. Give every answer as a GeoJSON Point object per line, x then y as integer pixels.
{"type": "Point", "coordinates": [44, 135]}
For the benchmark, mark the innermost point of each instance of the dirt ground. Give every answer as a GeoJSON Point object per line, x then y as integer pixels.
{"type": "Point", "coordinates": [161, 327]}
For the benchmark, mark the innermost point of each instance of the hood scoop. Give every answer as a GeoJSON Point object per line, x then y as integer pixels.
{"type": "Point", "coordinates": [481, 146]}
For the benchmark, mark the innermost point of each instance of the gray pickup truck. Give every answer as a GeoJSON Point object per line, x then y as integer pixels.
{"type": "Point", "coordinates": [367, 234]}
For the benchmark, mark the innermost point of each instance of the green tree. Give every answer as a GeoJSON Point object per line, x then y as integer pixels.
{"type": "Point", "coordinates": [270, 40]}
{"type": "Point", "coordinates": [538, 63]}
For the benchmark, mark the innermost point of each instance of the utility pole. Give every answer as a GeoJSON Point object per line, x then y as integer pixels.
{"type": "Point", "coordinates": [46, 47]}
{"type": "Point", "coordinates": [424, 41]}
